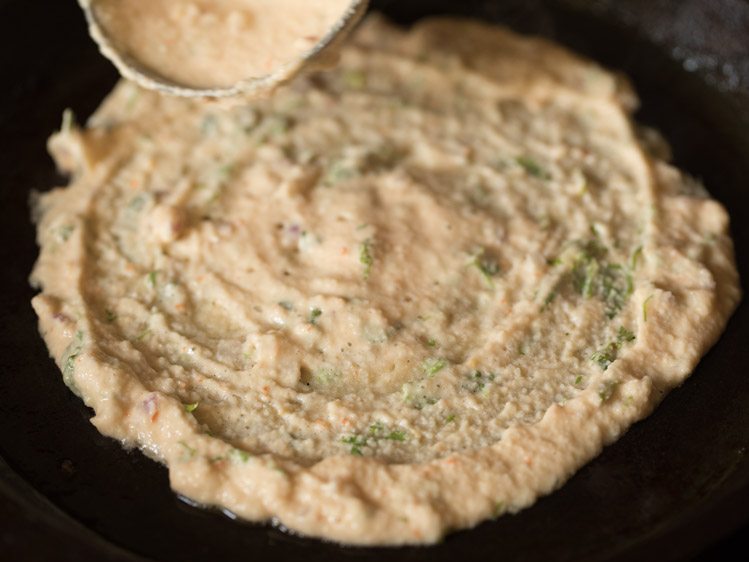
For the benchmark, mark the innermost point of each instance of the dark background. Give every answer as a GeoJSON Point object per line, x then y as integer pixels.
{"type": "Point", "coordinates": [675, 487]}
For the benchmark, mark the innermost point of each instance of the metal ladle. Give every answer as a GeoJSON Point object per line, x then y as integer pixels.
{"type": "Point", "coordinates": [147, 77]}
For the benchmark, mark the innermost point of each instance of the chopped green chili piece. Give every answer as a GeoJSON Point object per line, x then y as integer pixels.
{"type": "Point", "coordinates": [191, 407]}
{"type": "Point", "coordinates": [433, 365]}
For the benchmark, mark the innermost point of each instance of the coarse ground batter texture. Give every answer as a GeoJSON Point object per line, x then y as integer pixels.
{"type": "Point", "coordinates": [393, 300]}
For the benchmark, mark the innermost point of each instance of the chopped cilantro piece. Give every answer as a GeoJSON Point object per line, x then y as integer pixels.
{"type": "Point", "coordinates": [240, 455]}
{"type": "Point", "coordinates": [606, 389]}
{"type": "Point", "coordinates": [499, 509]}
{"type": "Point", "coordinates": [143, 334]}
{"type": "Point", "coordinates": [624, 335]}
{"type": "Point", "coordinates": [486, 264]}
{"type": "Point", "coordinates": [72, 351]}
{"type": "Point", "coordinates": [356, 442]}
{"type": "Point", "coordinates": [365, 257]}
{"type": "Point", "coordinates": [532, 167]}
{"type": "Point", "coordinates": [188, 451]}
{"type": "Point", "coordinates": [549, 298]}
{"type": "Point", "coordinates": [355, 79]}
{"type": "Point", "coordinates": [396, 435]}
{"type": "Point", "coordinates": [593, 276]}
{"type": "Point", "coordinates": [68, 120]}
{"type": "Point", "coordinates": [314, 314]}
{"type": "Point", "coordinates": [478, 380]}
{"type": "Point", "coordinates": [645, 308]}
{"type": "Point", "coordinates": [191, 407]}
{"type": "Point", "coordinates": [65, 231]}
{"type": "Point", "coordinates": [605, 356]}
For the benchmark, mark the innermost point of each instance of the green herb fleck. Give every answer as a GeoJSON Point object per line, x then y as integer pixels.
{"type": "Point", "coordinates": [365, 257]}
{"type": "Point", "coordinates": [72, 351]}
{"type": "Point", "coordinates": [68, 120]}
{"type": "Point", "coordinates": [110, 316]}
{"type": "Point", "coordinates": [593, 276]}
{"type": "Point", "coordinates": [431, 342]}
{"type": "Point", "coordinates": [478, 380]}
{"type": "Point", "coordinates": [152, 278]}
{"type": "Point", "coordinates": [314, 314]}
{"type": "Point", "coordinates": [326, 375]}
{"type": "Point", "coordinates": [65, 231]}
{"type": "Point", "coordinates": [356, 442]}
{"type": "Point", "coordinates": [635, 259]}
{"type": "Point", "coordinates": [624, 335]}
{"type": "Point", "coordinates": [532, 167]}
{"type": "Point", "coordinates": [433, 365]}
{"type": "Point", "coordinates": [137, 203]}
{"type": "Point", "coordinates": [143, 334]}
{"type": "Point", "coordinates": [339, 171]}
{"type": "Point", "coordinates": [549, 299]}
{"type": "Point", "coordinates": [239, 455]}
{"type": "Point", "coordinates": [189, 408]}
{"type": "Point", "coordinates": [355, 79]}
{"type": "Point", "coordinates": [645, 308]}
{"type": "Point", "coordinates": [605, 356]}
{"type": "Point", "coordinates": [396, 435]}
{"type": "Point", "coordinates": [606, 389]}
{"type": "Point", "coordinates": [486, 264]}
{"type": "Point", "coordinates": [208, 124]}
{"type": "Point", "coordinates": [579, 380]}
{"type": "Point", "coordinates": [451, 418]}
{"type": "Point", "coordinates": [499, 509]}
{"type": "Point", "coordinates": [188, 452]}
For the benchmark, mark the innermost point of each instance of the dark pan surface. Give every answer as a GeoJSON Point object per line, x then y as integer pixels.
{"type": "Point", "coordinates": [673, 484]}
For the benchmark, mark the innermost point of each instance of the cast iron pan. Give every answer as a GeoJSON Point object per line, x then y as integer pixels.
{"type": "Point", "coordinates": [674, 484]}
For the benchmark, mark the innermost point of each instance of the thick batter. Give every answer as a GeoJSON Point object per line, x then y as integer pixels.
{"type": "Point", "coordinates": [393, 300]}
